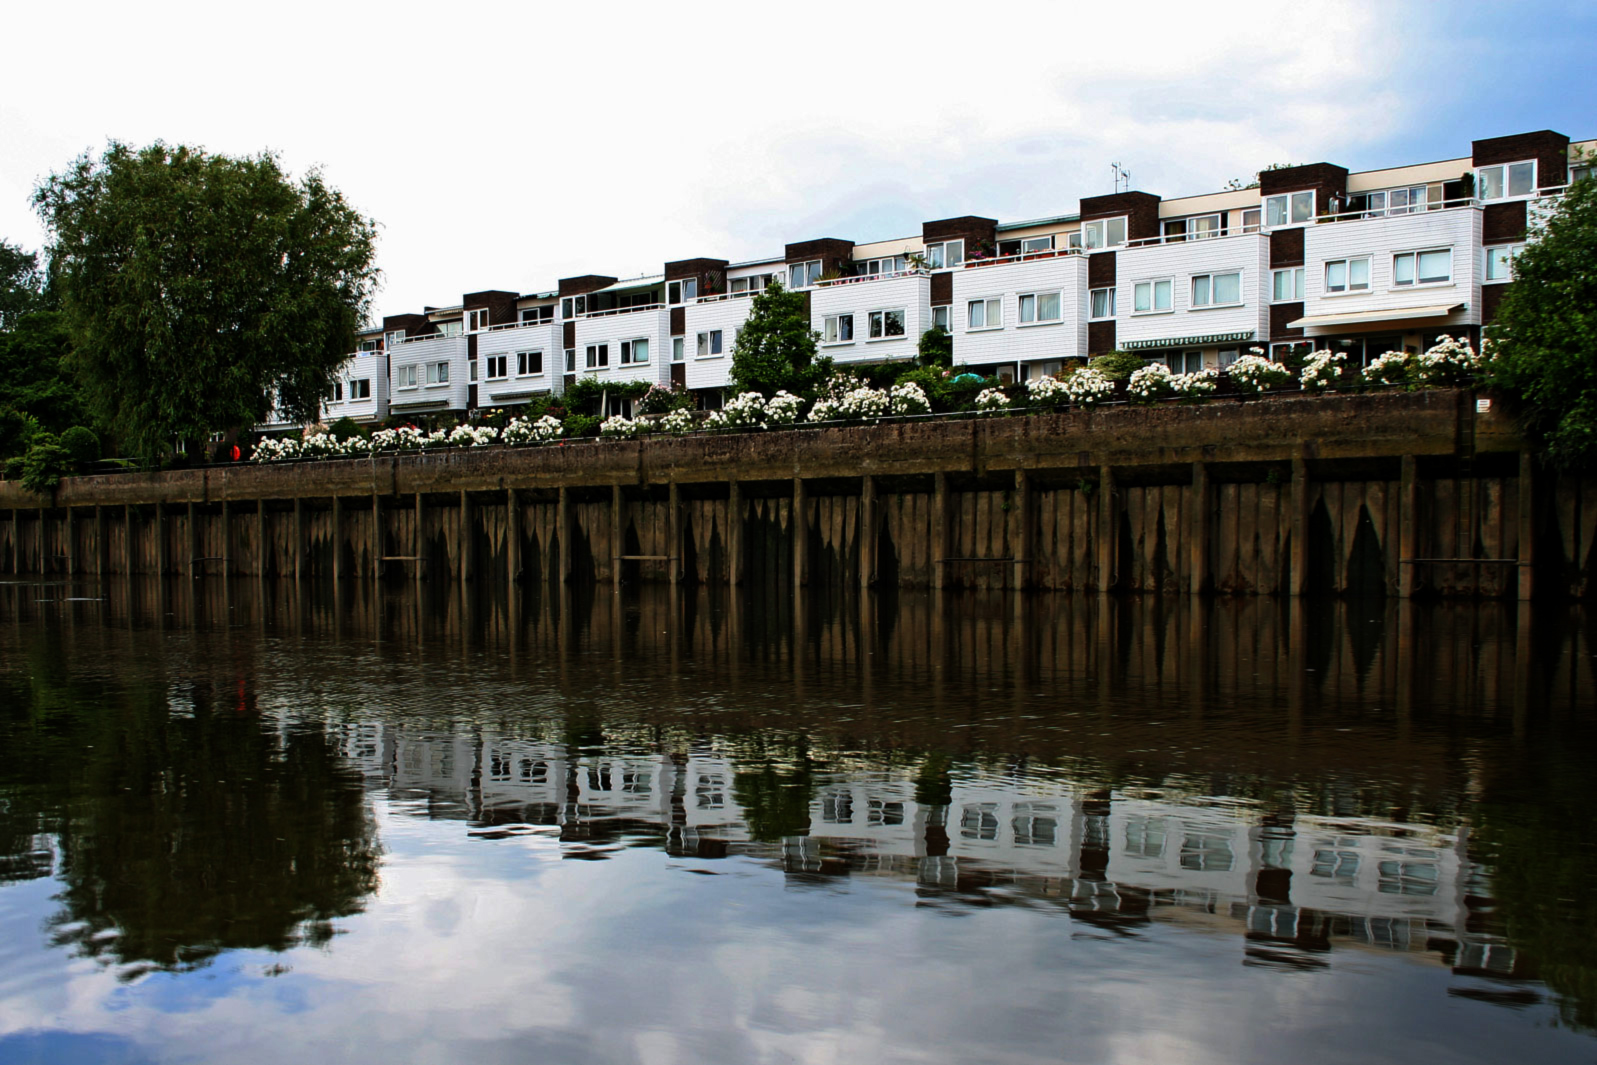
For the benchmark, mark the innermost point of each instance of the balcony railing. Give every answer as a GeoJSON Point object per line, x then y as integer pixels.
{"type": "Point", "coordinates": [914, 271]}
{"type": "Point", "coordinates": [1028, 256]}
{"type": "Point", "coordinates": [1192, 238]}
{"type": "Point", "coordinates": [717, 297]}
{"type": "Point", "coordinates": [502, 326]}
{"type": "Point", "coordinates": [1365, 214]}
{"type": "Point", "coordinates": [613, 311]}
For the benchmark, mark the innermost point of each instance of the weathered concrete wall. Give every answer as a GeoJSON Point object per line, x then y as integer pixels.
{"type": "Point", "coordinates": [1392, 493]}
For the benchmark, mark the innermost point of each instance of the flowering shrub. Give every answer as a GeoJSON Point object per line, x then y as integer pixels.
{"type": "Point", "coordinates": [527, 431]}
{"type": "Point", "coordinates": [1392, 368]}
{"type": "Point", "coordinates": [742, 412]}
{"type": "Point", "coordinates": [276, 449]}
{"type": "Point", "coordinates": [1088, 387]}
{"type": "Point", "coordinates": [1255, 373]}
{"type": "Point", "coordinates": [991, 401]}
{"type": "Point", "coordinates": [1448, 362]}
{"type": "Point", "coordinates": [406, 438]}
{"type": "Point", "coordinates": [1321, 369]}
{"type": "Point", "coordinates": [1047, 391]}
{"type": "Point", "coordinates": [859, 404]}
{"type": "Point", "coordinates": [1195, 385]}
{"type": "Point", "coordinates": [909, 398]}
{"type": "Point", "coordinates": [678, 421]}
{"type": "Point", "coordinates": [660, 400]}
{"type": "Point", "coordinates": [1151, 382]}
{"type": "Point", "coordinates": [620, 427]}
{"type": "Point", "coordinates": [472, 436]}
{"type": "Point", "coordinates": [783, 408]}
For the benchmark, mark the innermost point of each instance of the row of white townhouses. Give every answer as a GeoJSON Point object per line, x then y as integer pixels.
{"type": "Point", "coordinates": [1363, 262]}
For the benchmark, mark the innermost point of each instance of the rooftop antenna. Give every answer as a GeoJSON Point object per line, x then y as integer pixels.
{"type": "Point", "coordinates": [1122, 175]}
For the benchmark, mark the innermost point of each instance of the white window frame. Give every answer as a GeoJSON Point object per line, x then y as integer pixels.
{"type": "Point", "coordinates": [629, 351]}
{"type": "Point", "coordinates": [804, 274]}
{"type": "Point", "coordinates": [477, 320]}
{"type": "Point", "coordinates": [394, 339]}
{"type": "Point", "coordinates": [338, 391]}
{"type": "Point", "coordinates": [1512, 250]}
{"type": "Point", "coordinates": [1099, 234]}
{"type": "Point", "coordinates": [1152, 284]}
{"type": "Point", "coordinates": [360, 388]}
{"type": "Point", "coordinates": [946, 254]}
{"type": "Point", "coordinates": [1092, 303]}
{"type": "Point", "coordinates": [1296, 278]}
{"type": "Point", "coordinates": [752, 285]}
{"type": "Point", "coordinates": [453, 328]}
{"type": "Point", "coordinates": [832, 329]}
{"type": "Point", "coordinates": [876, 324]}
{"type": "Point", "coordinates": [503, 365]}
{"type": "Point", "coordinates": [682, 290]}
{"type": "Point", "coordinates": [538, 315]}
{"type": "Point", "coordinates": [596, 356]}
{"type": "Point", "coordinates": [1386, 210]}
{"type": "Point", "coordinates": [521, 363]}
{"type": "Point", "coordinates": [406, 377]}
{"type": "Point", "coordinates": [1258, 219]}
{"type": "Point", "coordinates": [678, 348]}
{"type": "Point", "coordinates": [1347, 288]}
{"type": "Point", "coordinates": [1209, 300]}
{"type": "Point", "coordinates": [437, 374]}
{"type": "Point", "coordinates": [1187, 223]}
{"type": "Point", "coordinates": [992, 307]}
{"type": "Point", "coordinates": [710, 344]}
{"type": "Point", "coordinates": [942, 317]}
{"type": "Point", "coordinates": [1505, 176]}
{"type": "Point", "coordinates": [1414, 256]}
{"type": "Point", "coordinates": [1036, 306]}
{"type": "Point", "coordinates": [1288, 202]}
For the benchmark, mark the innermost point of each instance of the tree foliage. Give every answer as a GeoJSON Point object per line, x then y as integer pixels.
{"type": "Point", "coordinates": [936, 347]}
{"type": "Point", "coordinates": [1545, 335]}
{"type": "Point", "coordinates": [775, 349]}
{"type": "Point", "coordinates": [194, 287]}
{"type": "Point", "coordinates": [21, 283]}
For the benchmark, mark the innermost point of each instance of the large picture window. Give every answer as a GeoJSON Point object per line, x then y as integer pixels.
{"type": "Point", "coordinates": [1433, 267]}
{"type": "Point", "coordinates": [1152, 297]}
{"type": "Point", "coordinates": [1038, 307]}
{"type": "Point", "coordinates": [1347, 275]}
{"type": "Point", "coordinates": [885, 324]}
{"type": "Point", "coordinates": [1289, 209]}
{"type": "Point", "coordinates": [1217, 290]}
{"type": "Point", "coordinates": [984, 314]}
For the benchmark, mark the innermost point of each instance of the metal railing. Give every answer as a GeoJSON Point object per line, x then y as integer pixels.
{"type": "Point", "coordinates": [1028, 256]}
{"type": "Point", "coordinates": [886, 275]}
{"type": "Point", "coordinates": [613, 311]}
{"type": "Point", "coordinates": [1193, 238]}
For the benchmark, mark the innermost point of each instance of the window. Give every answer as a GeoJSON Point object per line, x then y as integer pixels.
{"type": "Point", "coordinates": [984, 314]}
{"type": "Point", "coordinates": [1250, 220]}
{"type": "Point", "coordinates": [1103, 303]}
{"type": "Point", "coordinates": [360, 388]}
{"type": "Point", "coordinates": [945, 256]}
{"type": "Point", "coordinates": [1505, 181]}
{"type": "Point", "coordinates": [1197, 227]}
{"type": "Point", "coordinates": [1395, 201]}
{"type": "Point", "coordinates": [940, 317]}
{"type": "Point", "coordinates": [838, 328]}
{"type": "Point", "coordinates": [394, 339]}
{"type": "Point", "coordinates": [803, 275]}
{"type": "Point", "coordinates": [1217, 290]}
{"type": "Point", "coordinates": [598, 355]}
{"type": "Point", "coordinates": [1423, 267]}
{"type": "Point", "coordinates": [1500, 261]}
{"type": "Point", "coordinates": [367, 345]}
{"type": "Point", "coordinates": [451, 329]}
{"type": "Point", "coordinates": [684, 291]}
{"type": "Point", "coordinates": [338, 392]}
{"type": "Point", "coordinates": [1287, 284]}
{"type": "Point", "coordinates": [1347, 275]}
{"type": "Point", "coordinates": [749, 284]}
{"type": "Point", "coordinates": [477, 320]}
{"type": "Point", "coordinates": [634, 352]}
{"type": "Point", "coordinates": [1039, 307]}
{"type": "Point", "coordinates": [1185, 361]}
{"type": "Point", "coordinates": [438, 373]}
{"type": "Point", "coordinates": [536, 315]}
{"type": "Point", "coordinates": [1229, 356]}
{"type": "Point", "coordinates": [886, 324]}
{"type": "Point", "coordinates": [406, 377]}
{"type": "Point", "coordinates": [1151, 297]}
{"type": "Point", "coordinates": [1103, 233]}
{"type": "Point", "coordinates": [1289, 209]}
{"type": "Point", "coordinates": [676, 349]}
{"type": "Point", "coordinates": [1580, 171]}
{"type": "Point", "coordinates": [498, 367]}
{"type": "Point", "coordinates": [573, 306]}
{"type": "Point", "coordinates": [709, 344]}
{"type": "Point", "coordinates": [571, 360]}
{"type": "Point", "coordinates": [529, 363]}
{"type": "Point", "coordinates": [872, 267]}
{"type": "Point", "coordinates": [473, 371]}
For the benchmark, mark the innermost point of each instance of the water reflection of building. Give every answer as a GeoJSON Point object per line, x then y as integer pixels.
{"type": "Point", "coordinates": [1292, 884]}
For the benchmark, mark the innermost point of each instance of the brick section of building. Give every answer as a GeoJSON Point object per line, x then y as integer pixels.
{"type": "Point", "coordinates": [679, 321]}
{"type": "Point", "coordinates": [1101, 269]}
{"type": "Point", "coordinates": [1326, 179]}
{"type": "Point", "coordinates": [1549, 149]}
{"type": "Point", "coordinates": [1100, 337]}
{"type": "Point", "coordinates": [414, 325]}
{"type": "Point", "coordinates": [972, 229]}
{"type": "Point", "coordinates": [501, 305]}
{"type": "Point", "coordinates": [1502, 223]}
{"type": "Point", "coordinates": [835, 254]}
{"type": "Point", "coordinates": [1286, 247]}
{"type": "Point", "coordinates": [586, 283]}
{"type": "Point", "coordinates": [1491, 299]}
{"type": "Point", "coordinates": [1140, 208]}
{"type": "Point", "coordinates": [1280, 315]}
{"type": "Point", "coordinates": [942, 288]}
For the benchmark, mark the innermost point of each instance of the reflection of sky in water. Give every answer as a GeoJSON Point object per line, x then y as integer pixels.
{"type": "Point", "coordinates": [497, 950]}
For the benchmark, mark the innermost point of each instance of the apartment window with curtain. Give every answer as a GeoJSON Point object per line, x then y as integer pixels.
{"type": "Point", "coordinates": [1103, 233]}
{"type": "Point", "coordinates": [529, 363]}
{"type": "Point", "coordinates": [1433, 267]}
{"type": "Point", "coordinates": [940, 317]}
{"type": "Point", "coordinates": [438, 373]}
{"type": "Point", "coordinates": [1152, 297]}
{"type": "Point", "coordinates": [1038, 307]}
{"type": "Point", "coordinates": [676, 349]}
{"type": "Point", "coordinates": [1103, 303]}
{"type": "Point", "coordinates": [805, 274]}
{"type": "Point", "coordinates": [837, 329]}
{"type": "Point", "coordinates": [1217, 290]}
{"type": "Point", "coordinates": [1289, 209]}
{"type": "Point", "coordinates": [1287, 285]}
{"type": "Point", "coordinates": [984, 314]}
{"type": "Point", "coordinates": [946, 255]}
{"type": "Point", "coordinates": [886, 324]}
{"type": "Point", "coordinates": [634, 352]}
{"type": "Point", "coordinates": [405, 377]}
{"type": "Point", "coordinates": [1500, 261]}
{"type": "Point", "coordinates": [598, 356]}
{"type": "Point", "coordinates": [709, 344]}
{"type": "Point", "coordinates": [1505, 182]}
{"type": "Point", "coordinates": [1347, 275]}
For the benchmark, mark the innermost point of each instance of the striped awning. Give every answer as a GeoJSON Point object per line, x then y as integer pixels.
{"type": "Point", "coordinates": [1203, 341]}
{"type": "Point", "coordinates": [1386, 314]}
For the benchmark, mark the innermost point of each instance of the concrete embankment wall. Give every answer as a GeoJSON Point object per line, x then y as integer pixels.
{"type": "Point", "coordinates": [1394, 493]}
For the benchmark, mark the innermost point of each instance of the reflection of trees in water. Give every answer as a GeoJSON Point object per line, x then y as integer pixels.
{"type": "Point", "coordinates": [183, 834]}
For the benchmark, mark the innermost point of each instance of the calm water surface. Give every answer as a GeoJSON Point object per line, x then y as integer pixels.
{"type": "Point", "coordinates": [245, 823]}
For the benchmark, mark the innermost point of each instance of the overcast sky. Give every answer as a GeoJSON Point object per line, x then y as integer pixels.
{"type": "Point", "coordinates": [508, 145]}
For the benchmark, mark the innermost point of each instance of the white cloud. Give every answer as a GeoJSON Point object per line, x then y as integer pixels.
{"type": "Point", "coordinates": [507, 145]}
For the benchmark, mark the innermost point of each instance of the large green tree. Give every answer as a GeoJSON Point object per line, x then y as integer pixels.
{"type": "Point", "coordinates": [195, 287]}
{"type": "Point", "coordinates": [1545, 336]}
{"type": "Point", "coordinates": [21, 283]}
{"type": "Point", "coordinates": [775, 349]}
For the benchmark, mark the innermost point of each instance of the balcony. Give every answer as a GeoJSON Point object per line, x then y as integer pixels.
{"type": "Point", "coordinates": [1006, 280]}
{"type": "Point", "coordinates": [613, 333]}
{"type": "Point", "coordinates": [1185, 310]}
{"type": "Point", "coordinates": [441, 372]}
{"type": "Point", "coordinates": [885, 314]}
{"type": "Point", "coordinates": [521, 345]}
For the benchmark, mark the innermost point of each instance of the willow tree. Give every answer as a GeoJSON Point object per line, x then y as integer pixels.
{"type": "Point", "coordinates": [196, 288]}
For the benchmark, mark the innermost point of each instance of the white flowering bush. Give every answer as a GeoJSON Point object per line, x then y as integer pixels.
{"type": "Point", "coordinates": [1088, 387]}
{"type": "Point", "coordinates": [1391, 368]}
{"type": "Point", "coordinates": [741, 412]}
{"type": "Point", "coordinates": [861, 403]}
{"type": "Point", "coordinates": [1321, 370]}
{"type": "Point", "coordinates": [527, 431]}
{"type": "Point", "coordinates": [1199, 384]}
{"type": "Point", "coordinates": [1448, 362]}
{"type": "Point", "coordinates": [620, 427]}
{"type": "Point", "coordinates": [991, 401]}
{"type": "Point", "coordinates": [473, 436]}
{"type": "Point", "coordinates": [276, 449]}
{"type": "Point", "coordinates": [783, 408]}
{"type": "Point", "coordinates": [1151, 382]}
{"type": "Point", "coordinates": [1047, 391]}
{"type": "Point", "coordinates": [825, 410]}
{"type": "Point", "coordinates": [678, 421]}
{"type": "Point", "coordinates": [1255, 373]}
{"type": "Point", "coordinates": [404, 438]}
{"type": "Point", "coordinates": [909, 398]}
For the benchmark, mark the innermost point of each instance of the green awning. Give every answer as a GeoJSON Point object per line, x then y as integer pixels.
{"type": "Point", "coordinates": [1206, 340]}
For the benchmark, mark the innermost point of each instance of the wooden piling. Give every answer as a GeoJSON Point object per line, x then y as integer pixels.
{"type": "Point", "coordinates": [415, 543]}
{"type": "Point", "coordinates": [376, 545]}
{"type": "Point", "coordinates": [674, 572]}
{"type": "Point", "coordinates": [299, 539]}
{"type": "Point", "coordinates": [160, 540]}
{"type": "Point", "coordinates": [338, 538]}
{"type": "Point", "coordinates": [101, 550]}
{"type": "Point", "coordinates": [563, 525]}
{"type": "Point", "coordinates": [867, 532]}
{"type": "Point", "coordinates": [734, 535]}
{"type": "Point", "coordinates": [1108, 527]}
{"type": "Point", "coordinates": [1527, 526]}
{"type": "Point", "coordinates": [799, 528]}
{"type": "Point", "coordinates": [194, 542]}
{"type": "Point", "coordinates": [512, 536]}
{"type": "Point", "coordinates": [942, 546]}
{"type": "Point", "coordinates": [260, 543]}
{"type": "Point", "coordinates": [1198, 550]}
{"type": "Point", "coordinates": [1299, 576]}
{"type": "Point", "coordinates": [1023, 544]}
{"type": "Point", "coordinates": [618, 544]}
{"type": "Point", "coordinates": [463, 538]}
{"type": "Point", "coordinates": [1407, 527]}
